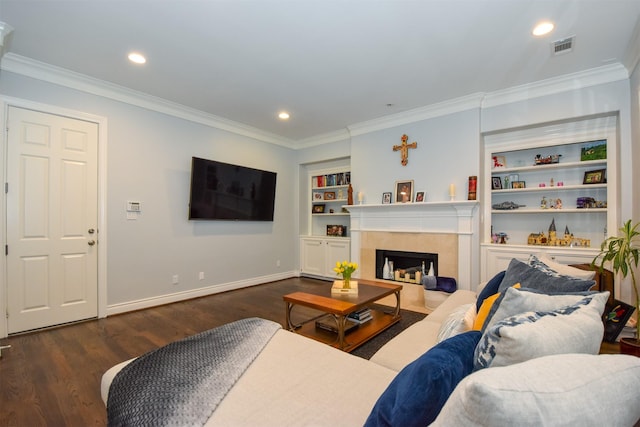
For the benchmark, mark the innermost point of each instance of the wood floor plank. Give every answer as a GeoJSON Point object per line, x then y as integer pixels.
{"type": "Point", "coordinates": [52, 377]}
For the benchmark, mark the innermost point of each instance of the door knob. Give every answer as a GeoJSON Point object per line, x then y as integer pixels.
{"type": "Point", "coordinates": [91, 231]}
{"type": "Point", "coordinates": [91, 242]}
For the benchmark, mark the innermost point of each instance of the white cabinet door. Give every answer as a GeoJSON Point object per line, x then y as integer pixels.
{"type": "Point", "coordinates": [312, 260]}
{"type": "Point", "coordinates": [337, 250]}
{"type": "Point", "coordinates": [318, 256]}
{"type": "Point", "coordinates": [496, 258]}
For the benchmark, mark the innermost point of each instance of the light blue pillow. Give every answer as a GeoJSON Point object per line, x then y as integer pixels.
{"type": "Point", "coordinates": [515, 301]}
{"type": "Point", "coordinates": [566, 389]}
{"type": "Point", "coordinates": [418, 392]}
{"type": "Point", "coordinates": [544, 280]}
{"type": "Point", "coordinates": [576, 328]}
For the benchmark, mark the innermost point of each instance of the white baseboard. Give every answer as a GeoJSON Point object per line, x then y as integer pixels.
{"type": "Point", "coordinates": [125, 307]}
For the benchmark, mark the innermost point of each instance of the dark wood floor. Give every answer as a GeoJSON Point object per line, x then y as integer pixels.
{"type": "Point", "coordinates": [52, 377]}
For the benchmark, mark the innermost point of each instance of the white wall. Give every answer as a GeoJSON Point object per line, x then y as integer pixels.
{"type": "Point", "coordinates": [447, 152]}
{"type": "Point", "coordinates": [449, 146]}
{"type": "Point", "coordinates": [149, 160]}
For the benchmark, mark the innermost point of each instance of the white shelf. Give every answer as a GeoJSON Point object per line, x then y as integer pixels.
{"type": "Point", "coordinates": [548, 189]}
{"type": "Point", "coordinates": [548, 211]}
{"type": "Point", "coordinates": [551, 166]}
{"type": "Point", "coordinates": [519, 148]}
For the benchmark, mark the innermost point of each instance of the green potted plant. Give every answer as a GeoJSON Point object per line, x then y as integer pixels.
{"type": "Point", "coordinates": [622, 254]}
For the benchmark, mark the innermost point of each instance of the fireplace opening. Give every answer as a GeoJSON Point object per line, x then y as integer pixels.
{"type": "Point", "coordinates": [405, 264]}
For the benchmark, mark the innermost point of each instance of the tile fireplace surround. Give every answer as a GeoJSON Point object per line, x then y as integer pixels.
{"type": "Point", "coordinates": [449, 229]}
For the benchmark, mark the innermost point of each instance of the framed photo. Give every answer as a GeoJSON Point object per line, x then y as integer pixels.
{"type": "Point", "coordinates": [404, 191]}
{"type": "Point", "coordinates": [518, 184]}
{"type": "Point", "coordinates": [329, 195]}
{"type": "Point", "coordinates": [317, 196]}
{"type": "Point", "coordinates": [386, 198]}
{"type": "Point", "coordinates": [595, 177]}
{"type": "Point", "coordinates": [496, 183]}
{"type": "Point", "coordinates": [616, 316]}
{"type": "Point", "coordinates": [499, 162]}
{"type": "Point", "coordinates": [596, 150]}
{"type": "Point", "coordinates": [337, 230]}
{"type": "Point", "coordinates": [420, 197]}
{"type": "Point", "coordinates": [318, 209]}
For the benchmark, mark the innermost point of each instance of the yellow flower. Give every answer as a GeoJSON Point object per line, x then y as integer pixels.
{"type": "Point", "coordinates": [345, 269]}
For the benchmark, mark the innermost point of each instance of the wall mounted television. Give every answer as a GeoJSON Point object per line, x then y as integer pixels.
{"type": "Point", "coordinates": [222, 191]}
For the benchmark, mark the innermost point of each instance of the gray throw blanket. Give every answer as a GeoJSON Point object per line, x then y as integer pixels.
{"type": "Point", "coordinates": [183, 382]}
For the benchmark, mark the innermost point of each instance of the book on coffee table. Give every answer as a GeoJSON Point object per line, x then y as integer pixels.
{"type": "Point", "coordinates": [329, 324]}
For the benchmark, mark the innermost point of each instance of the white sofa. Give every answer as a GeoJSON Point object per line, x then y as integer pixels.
{"type": "Point", "coordinates": [296, 381]}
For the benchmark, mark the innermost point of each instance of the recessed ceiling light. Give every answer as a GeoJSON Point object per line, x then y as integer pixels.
{"type": "Point", "coordinates": [137, 58]}
{"type": "Point", "coordinates": [283, 115]}
{"type": "Point", "coordinates": [543, 28]}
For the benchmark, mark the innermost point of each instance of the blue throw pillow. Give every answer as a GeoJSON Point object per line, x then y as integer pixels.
{"type": "Point", "coordinates": [542, 280]}
{"type": "Point", "coordinates": [491, 288]}
{"type": "Point", "coordinates": [418, 393]}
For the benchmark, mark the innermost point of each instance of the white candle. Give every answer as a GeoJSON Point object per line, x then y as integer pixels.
{"type": "Point", "coordinates": [452, 190]}
{"type": "Point", "coordinates": [360, 196]}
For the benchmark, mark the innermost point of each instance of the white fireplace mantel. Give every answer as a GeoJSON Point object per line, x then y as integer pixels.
{"type": "Point", "coordinates": [448, 217]}
{"type": "Point", "coordinates": [456, 217]}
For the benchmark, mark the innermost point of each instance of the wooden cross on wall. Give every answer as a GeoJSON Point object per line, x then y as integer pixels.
{"type": "Point", "coordinates": [404, 149]}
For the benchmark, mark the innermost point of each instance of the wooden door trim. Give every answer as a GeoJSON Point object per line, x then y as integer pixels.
{"type": "Point", "coordinates": [101, 121]}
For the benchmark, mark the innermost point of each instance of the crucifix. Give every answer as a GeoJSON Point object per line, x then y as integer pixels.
{"type": "Point", "coordinates": [404, 149]}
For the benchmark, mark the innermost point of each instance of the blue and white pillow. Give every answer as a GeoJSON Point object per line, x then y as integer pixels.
{"type": "Point", "coordinates": [541, 278]}
{"type": "Point", "coordinates": [520, 300]}
{"type": "Point", "coordinates": [576, 328]}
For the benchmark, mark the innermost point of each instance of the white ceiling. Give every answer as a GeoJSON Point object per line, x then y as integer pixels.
{"type": "Point", "coordinates": [330, 63]}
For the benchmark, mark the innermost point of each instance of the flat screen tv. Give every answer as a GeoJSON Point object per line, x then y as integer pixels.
{"type": "Point", "coordinates": [222, 191]}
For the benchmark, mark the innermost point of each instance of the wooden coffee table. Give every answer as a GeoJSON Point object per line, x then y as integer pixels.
{"type": "Point", "coordinates": [339, 307]}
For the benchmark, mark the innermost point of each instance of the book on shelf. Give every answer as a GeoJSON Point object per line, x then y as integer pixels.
{"type": "Point", "coordinates": [366, 312]}
{"type": "Point", "coordinates": [361, 320]}
{"type": "Point", "coordinates": [329, 324]}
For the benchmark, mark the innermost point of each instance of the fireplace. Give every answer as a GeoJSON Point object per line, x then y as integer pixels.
{"type": "Point", "coordinates": [447, 229]}
{"type": "Point", "coordinates": [406, 262]}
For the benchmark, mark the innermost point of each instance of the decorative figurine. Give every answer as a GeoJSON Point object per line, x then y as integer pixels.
{"type": "Point", "coordinates": [543, 203]}
{"type": "Point", "coordinates": [505, 206]}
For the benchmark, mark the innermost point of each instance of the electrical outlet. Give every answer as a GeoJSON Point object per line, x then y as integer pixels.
{"type": "Point", "coordinates": [175, 280]}
{"type": "Point", "coordinates": [201, 275]}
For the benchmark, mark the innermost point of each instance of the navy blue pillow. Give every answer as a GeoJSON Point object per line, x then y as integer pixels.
{"type": "Point", "coordinates": [417, 394]}
{"type": "Point", "coordinates": [491, 288]}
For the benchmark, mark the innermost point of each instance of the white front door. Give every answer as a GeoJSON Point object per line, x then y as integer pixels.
{"type": "Point", "coordinates": [52, 234]}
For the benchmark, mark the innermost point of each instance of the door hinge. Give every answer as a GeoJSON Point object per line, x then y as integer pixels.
{"type": "Point", "coordinates": [6, 249]}
{"type": "Point", "coordinates": [6, 188]}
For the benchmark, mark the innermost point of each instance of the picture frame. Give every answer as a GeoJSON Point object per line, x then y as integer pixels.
{"type": "Point", "coordinates": [498, 162]}
{"type": "Point", "coordinates": [597, 176]}
{"type": "Point", "coordinates": [317, 196]}
{"type": "Point", "coordinates": [496, 183]}
{"type": "Point", "coordinates": [518, 184]}
{"type": "Point", "coordinates": [386, 198]}
{"type": "Point", "coordinates": [420, 197]}
{"type": "Point", "coordinates": [404, 191]}
{"type": "Point", "coordinates": [318, 209]}
{"type": "Point", "coordinates": [615, 317]}
{"type": "Point", "coordinates": [337, 230]}
{"type": "Point", "coordinates": [329, 195]}
{"type": "Point", "coordinates": [596, 150]}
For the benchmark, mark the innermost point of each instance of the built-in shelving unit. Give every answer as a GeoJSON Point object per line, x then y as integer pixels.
{"type": "Point", "coordinates": [563, 173]}
{"type": "Point", "coordinates": [327, 239]}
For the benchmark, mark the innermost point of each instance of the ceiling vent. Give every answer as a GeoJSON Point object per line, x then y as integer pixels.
{"type": "Point", "coordinates": [560, 47]}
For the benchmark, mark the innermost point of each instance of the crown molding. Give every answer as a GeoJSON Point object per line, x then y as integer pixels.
{"type": "Point", "coordinates": [62, 77]}
{"type": "Point", "coordinates": [52, 74]}
{"type": "Point", "coordinates": [632, 54]}
{"type": "Point", "coordinates": [325, 138]}
{"type": "Point", "coordinates": [583, 79]}
{"type": "Point", "coordinates": [418, 114]}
